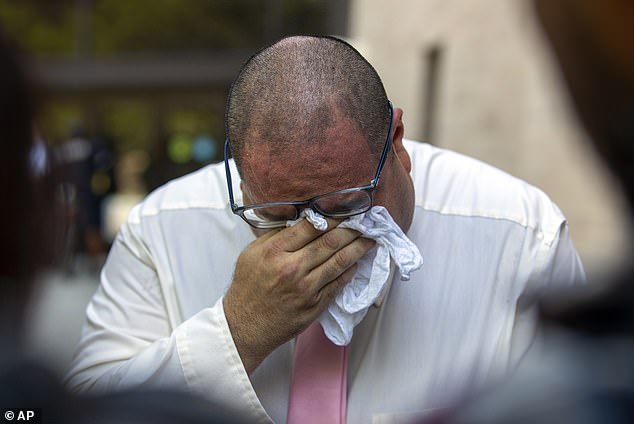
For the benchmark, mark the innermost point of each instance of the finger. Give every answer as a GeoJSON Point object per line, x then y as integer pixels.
{"type": "Point", "coordinates": [330, 290]}
{"type": "Point", "coordinates": [322, 248]}
{"type": "Point", "coordinates": [299, 235]}
{"type": "Point", "coordinates": [263, 236]}
{"type": "Point", "coordinates": [338, 263]}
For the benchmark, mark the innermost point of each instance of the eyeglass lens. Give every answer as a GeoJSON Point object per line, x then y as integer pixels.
{"type": "Point", "coordinates": [339, 204]}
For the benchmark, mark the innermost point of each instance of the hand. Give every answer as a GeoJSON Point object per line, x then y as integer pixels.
{"type": "Point", "coordinates": [283, 281]}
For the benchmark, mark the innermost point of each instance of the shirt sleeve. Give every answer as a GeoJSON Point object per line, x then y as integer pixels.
{"type": "Point", "coordinates": [562, 266]}
{"type": "Point", "coordinates": [557, 266]}
{"type": "Point", "coordinates": [128, 341]}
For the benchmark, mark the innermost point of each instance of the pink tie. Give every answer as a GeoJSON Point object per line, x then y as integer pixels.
{"type": "Point", "coordinates": [319, 380]}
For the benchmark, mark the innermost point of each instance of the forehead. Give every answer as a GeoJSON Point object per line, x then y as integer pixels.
{"type": "Point", "coordinates": [342, 159]}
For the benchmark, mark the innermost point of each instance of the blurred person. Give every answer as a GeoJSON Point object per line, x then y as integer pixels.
{"type": "Point", "coordinates": [130, 191]}
{"type": "Point", "coordinates": [582, 371]}
{"type": "Point", "coordinates": [24, 192]}
{"type": "Point", "coordinates": [87, 169]}
{"type": "Point", "coordinates": [30, 221]}
{"type": "Point", "coordinates": [217, 283]}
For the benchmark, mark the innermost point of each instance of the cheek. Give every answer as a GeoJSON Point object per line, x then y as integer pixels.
{"type": "Point", "coordinates": [249, 194]}
{"type": "Point", "coordinates": [387, 195]}
{"type": "Point", "coordinates": [396, 195]}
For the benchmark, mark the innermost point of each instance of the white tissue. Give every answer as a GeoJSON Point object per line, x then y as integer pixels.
{"type": "Point", "coordinates": [373, 269]}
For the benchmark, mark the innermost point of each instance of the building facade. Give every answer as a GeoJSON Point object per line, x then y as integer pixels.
{"type": "Point", "coordinates": [477, 77]}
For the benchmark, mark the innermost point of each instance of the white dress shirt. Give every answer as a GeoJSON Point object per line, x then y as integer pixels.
{"type": "Point", "coordinates": [489, 241]}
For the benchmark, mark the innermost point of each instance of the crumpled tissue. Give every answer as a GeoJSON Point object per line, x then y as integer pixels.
{"type": "Point", "coordinates": [373, 270]}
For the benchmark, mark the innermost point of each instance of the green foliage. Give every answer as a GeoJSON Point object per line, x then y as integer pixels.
{"type": "Point", "coordinates": [175, 25]}
{"type": "Point", "coordinates": [110, 27]}
{"type": "Point", "coordinates": [39, 28]}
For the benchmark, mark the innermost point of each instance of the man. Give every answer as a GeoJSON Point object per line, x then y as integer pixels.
{"type": "Point", "coordinates": [308, 116]}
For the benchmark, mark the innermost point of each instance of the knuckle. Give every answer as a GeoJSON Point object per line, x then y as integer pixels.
{"type": "Point", "coordinates": [287, 271]}
{"type": "Point", "coordinates": [320, 298]}
{"type": "Point", "coordinates": [330, 241]}
{"type": "Point", "coordinates": [273, 248]}
{"type": "Point", "coordinates": [304, 286]}
{"type": "Point", "coordinates": [341, 260]}
{"type": "Point", "coordinates": [312, 301]}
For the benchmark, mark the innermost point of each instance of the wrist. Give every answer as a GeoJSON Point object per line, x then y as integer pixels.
{"type": "Point", "coordinates": [250, 350]}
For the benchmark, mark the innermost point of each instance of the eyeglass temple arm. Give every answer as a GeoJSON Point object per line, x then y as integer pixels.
{"type": "Point", "coordinates": [386, 148]}
{"type": "Point", "coordinates": [228, 172]}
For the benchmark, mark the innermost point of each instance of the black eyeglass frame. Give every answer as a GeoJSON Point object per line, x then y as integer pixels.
{"type": "Point", "coordinates": [240, 210]}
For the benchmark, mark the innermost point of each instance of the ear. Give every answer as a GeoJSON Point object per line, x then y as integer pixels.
{"type": "Point", "coordinates": [397, 140]}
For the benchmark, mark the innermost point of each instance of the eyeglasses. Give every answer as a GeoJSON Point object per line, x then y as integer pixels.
{"type": "Point", "coordinates": [337, 204]}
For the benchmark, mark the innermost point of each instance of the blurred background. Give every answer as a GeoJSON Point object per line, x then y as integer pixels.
{"type": "Point", "coordinates": [133, 93]}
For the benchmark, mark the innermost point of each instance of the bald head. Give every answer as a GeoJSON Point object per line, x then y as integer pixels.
{"type": "Point", "coordinates": [290, 93]}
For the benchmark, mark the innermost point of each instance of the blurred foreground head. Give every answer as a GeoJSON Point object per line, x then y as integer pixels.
{"type": "Point", "coordinates": [592, 41]}
{"type": "Point", "coordinates": [28, 212]}
{"type": "Point", "coordinates": [593, 44]}
{"type": "Point", "coordinates": [30, 223]}
{"type": "Point", "coordinates": [581, 371]}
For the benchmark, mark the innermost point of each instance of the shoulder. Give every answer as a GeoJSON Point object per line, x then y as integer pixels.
{"type": "Point", "coordinates": [450, 183]}
{"type": "Point", "coordinates": [196, 203]}
{"type": "Point", "coordinates": [204, 189]}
